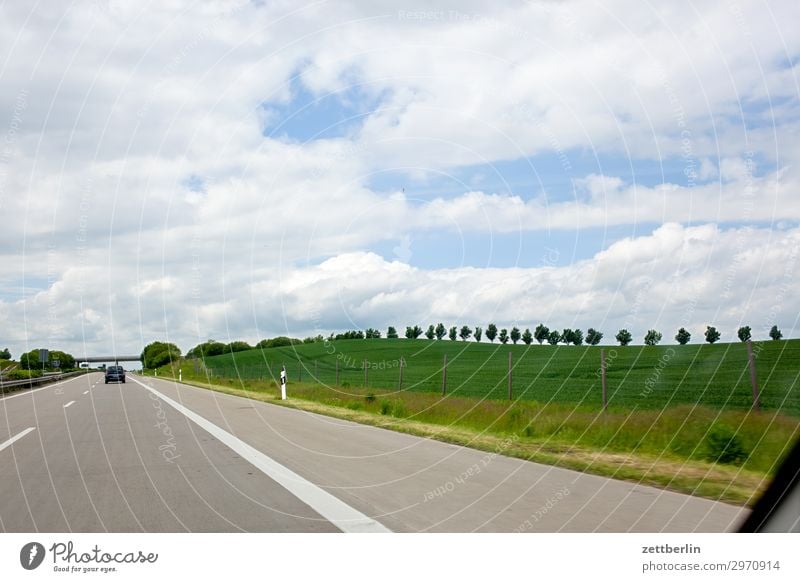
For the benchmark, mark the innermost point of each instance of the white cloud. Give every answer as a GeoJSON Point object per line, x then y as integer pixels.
{"type": "Point", "coordinates": [675, 276]}
{"type": "Point", "coordinates": [109, 109]}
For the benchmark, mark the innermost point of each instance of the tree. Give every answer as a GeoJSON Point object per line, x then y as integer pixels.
{"type": "Point", "coordinates": [5, 354]}
{"type": "Point", "coordinates": [515, 335]}
{"type": "Point", "coordinates": [157, 354]}
{"type": "Point", "coordinates": [453, 335]}
{"type": "Point", "coordinates": [775, 333]}
{"type": "Point", "coordinates": [30, 360]}
{"type": "Point", "coordinates": [652, 337]}
{"type": "Point", "coordinates": [504, 336]}
{"type": "Point", "coordinates": [282, 341]}
{"type": "Point", "coordinates": [541, 333]}
{"type": "Point", "coordinates": [527, 336]}
{"type": "Point", "coordinates": [577, 337]}
{"type": "Point", "coordinates": [65, 360]}
{"type": "Point", "coordinates": [465, 333]}
{"type": "Point", "coordinates": [566, 336]}
{"type": "Point", "coordinates": [683, 336]}
{"type": "Point", "coordinates": [491, 332]}
{"type": "Point", "coordinates": [413, 332]}
{"type": "Point", "coordinates": [553, 338]}
{"type": "Point", "coordinates": [478, 334]}
{"type": "Point", "coordinates": [431, 333]}
{"type": "Point", "coordinates": [238, 346]}
{"type": "Point", "coordinates": [347, 335]}
{"type": "Point", "coordinates": [624, 337]}
{"type": "Point", "coordinates": [441, 331]}
{"type": "Point", "coordinates": [593, 336]}
{"type": "Point", "coordinates": [372, 333]}
{"type": "Point", "coordinates": [210, 348]}
{"type": "Point", "coordinates": [744, 333]}
{"type": "Point", "coordinates": [711, 333]}
{"type": "Point", "coordinates": [391, 333]}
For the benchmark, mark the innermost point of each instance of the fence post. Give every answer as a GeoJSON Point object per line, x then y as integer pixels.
{"type": "Point", "coordinates": [753, 376]}
{"type": "Point", "coordinates": [400, 387]}
{"type": "Point", "coordinates": [510, 393]}
{"type": "Point", "coordinates": [444, 376]}
{"type": "Point", "coordinates": [603, 376]}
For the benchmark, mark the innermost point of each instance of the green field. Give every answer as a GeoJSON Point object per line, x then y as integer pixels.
{"type": "Point", "coordinates": [638, 377]}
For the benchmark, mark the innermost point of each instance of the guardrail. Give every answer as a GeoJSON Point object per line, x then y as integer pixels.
{"type": "Point", "coordinates": [31, 382]}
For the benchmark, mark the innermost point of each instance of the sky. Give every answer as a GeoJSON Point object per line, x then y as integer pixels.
{"type": "Point", "coordinates": [182, 171]}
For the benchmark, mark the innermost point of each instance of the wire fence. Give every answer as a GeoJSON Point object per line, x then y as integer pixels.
{"type": "Point", "coordinates": [739, 381]}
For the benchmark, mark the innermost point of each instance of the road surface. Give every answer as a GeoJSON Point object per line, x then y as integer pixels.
{"type": "Point", "coordinates": [155, 456]}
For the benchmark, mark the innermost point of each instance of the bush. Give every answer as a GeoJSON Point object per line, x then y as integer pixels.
{"type": "Point", "coordinates": [370, 397]}
{"type": "Point", "coordinates": [724, 446]}
{"type": "Point", "coordinates": [399, 409]}
{"type": "Point", "coordinates": [386, 407]}
{"type": "Point", "coordinates": [22, 374]}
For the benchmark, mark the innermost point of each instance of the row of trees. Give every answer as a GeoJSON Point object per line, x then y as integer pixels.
{"type": "Point", "coordinates": [214, 348]}
{"type": "Point", "coordinates": [542, 334]}
{"type": "Point", "coordinates": [159, 353]}
{"type": "Point", "coordinates": [30, 360]}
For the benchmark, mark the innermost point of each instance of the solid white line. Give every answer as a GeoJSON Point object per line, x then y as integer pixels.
{"type": "Point", "coordinates": [14, 439]}
{"type": "Point", "coordinates": [68, 404]}
{"type": "Point", "coordinates": [333, 509]}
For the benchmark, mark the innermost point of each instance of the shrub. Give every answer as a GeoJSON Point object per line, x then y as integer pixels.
{"type": "Point", "coordinates": [386, 407]}
{"type": "Point", "coordinates": [370, 397]}
{"type": "Point", "coordinates": [724, 446]}
{"type": "Point", "coordinates": [22, 374]}
{"type": "Point", "coordinates": [399, 409]}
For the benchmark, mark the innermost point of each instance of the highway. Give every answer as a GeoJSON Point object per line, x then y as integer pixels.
{"type": "Point", "coordinates": [155, 456]}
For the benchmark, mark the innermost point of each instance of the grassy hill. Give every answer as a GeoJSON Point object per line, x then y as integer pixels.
{"type": "Point", "coordinates": [639, 377]}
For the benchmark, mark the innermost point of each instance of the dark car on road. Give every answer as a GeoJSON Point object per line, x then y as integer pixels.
{"type": "Point", "coordinates": [115, 374]}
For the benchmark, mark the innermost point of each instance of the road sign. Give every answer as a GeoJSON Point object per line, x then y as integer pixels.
{"type": "Point", "coordinates": [56, 363]}
{"type": "Point", "coordinates": [44, 355]}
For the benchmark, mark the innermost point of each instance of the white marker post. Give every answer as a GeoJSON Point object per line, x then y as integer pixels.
{"type": "Point", "coordinates": [180, 375]}
{"type": "Point", "coordinates": [283, 382]}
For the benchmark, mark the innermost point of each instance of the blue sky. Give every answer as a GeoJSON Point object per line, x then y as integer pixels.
{"type": "Point", "coordinates": [262, 170]}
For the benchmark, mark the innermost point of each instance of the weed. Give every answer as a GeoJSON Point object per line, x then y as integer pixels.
{"type": "Point", "coordinates": [725, 446]}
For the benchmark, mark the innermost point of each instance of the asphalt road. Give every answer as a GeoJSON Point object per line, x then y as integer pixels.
{"type": "Point", "coordinates": [151, 455]}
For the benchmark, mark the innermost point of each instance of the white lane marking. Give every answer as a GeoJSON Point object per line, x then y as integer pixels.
{"type": "Point", "coordinates": [85, 391]}
{"type": "Point", "coordinates": [68, 404]}
{"type": "Point", "coordinates": [333, 509]}
{"type": "Point", "coordinates": [31, 391]}
{"type": "Point", "coordinates": [15, 438]}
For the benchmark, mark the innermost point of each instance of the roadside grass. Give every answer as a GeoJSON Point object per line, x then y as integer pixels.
{"type": "Point", "coordinates": [673, 448]}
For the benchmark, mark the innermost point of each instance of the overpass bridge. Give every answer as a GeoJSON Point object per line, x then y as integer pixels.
{"type": "Point", "coordinates": [116, 359]}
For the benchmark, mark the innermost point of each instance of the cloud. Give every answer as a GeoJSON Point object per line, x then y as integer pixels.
{"type": "Point", "coordinates": [675, 276]}
{"type": "Point", "coordinates": [115, 114]}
